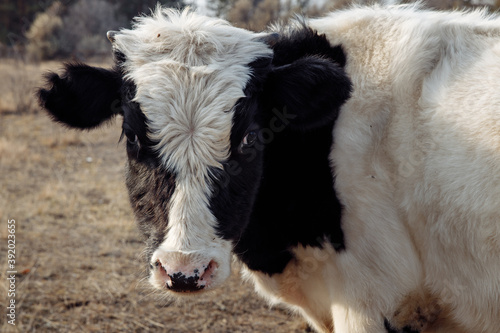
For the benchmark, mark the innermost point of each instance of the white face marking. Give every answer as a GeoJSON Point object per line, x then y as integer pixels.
{"type": "Point", "coordinates": [189, 72]}
{"type": "Point", "coordinates": [188, 112]}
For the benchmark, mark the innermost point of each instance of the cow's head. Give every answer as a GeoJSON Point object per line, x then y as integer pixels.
{"type": "Point", "coordinates": [198, 99]}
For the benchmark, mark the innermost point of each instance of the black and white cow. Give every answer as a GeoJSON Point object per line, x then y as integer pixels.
{"type": "Point", "coordinates": [351, 163]}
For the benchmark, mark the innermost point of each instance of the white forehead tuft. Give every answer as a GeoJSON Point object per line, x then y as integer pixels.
{"type": "Point", "coordinates": [186, 37]}
{"type": "Point", "coordinates": [188, 114]}
{"type": "Point", "coordinates": [189, 71]}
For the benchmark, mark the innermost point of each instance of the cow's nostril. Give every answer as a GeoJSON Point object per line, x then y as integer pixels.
{"type": "Point", "coordinates": [157, 265]}
{"type": "Point", "coordinates": [209, 271]}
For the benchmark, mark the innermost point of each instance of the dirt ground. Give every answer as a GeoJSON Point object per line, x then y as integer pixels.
{"type": "Point", "coordinates": [77, 247]}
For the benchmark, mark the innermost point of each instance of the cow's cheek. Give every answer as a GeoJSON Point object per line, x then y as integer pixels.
{"type": "Point", "coordinates": [149, 194]}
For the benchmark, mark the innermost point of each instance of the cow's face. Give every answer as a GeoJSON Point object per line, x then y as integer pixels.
{"type": "Point", "coordinates": [200, 100]}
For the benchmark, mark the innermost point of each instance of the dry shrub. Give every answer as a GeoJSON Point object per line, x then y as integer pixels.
{"type": "Point", "coordinates": [85, 27]}
{"type": "Point", "coordinates": [241, 13]}
{"type": "Point", "coordinates": [258, 15]}
{"type": "Point", "coordinates": [42, 40]}
{"type": "Point", "coordinates": [77, 30]}
{"type": "Point", "coordinates": [266, 12]}
{"type": "Point", "coordinates": [246, 14]}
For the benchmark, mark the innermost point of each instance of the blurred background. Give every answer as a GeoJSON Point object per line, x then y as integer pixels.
{"type": "Point", "coordinates": [48, 29]}
{"type": "Point", "coordinates": [78, 253]}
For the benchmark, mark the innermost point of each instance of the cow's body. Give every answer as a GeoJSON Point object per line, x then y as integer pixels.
{"type": "Point", "coordinates": [356, 176]}
{"type": "Point", "coordinates": [417, 164]}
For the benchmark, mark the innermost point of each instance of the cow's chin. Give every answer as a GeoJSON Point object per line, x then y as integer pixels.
{"type": "Point", "coordinates": [182, 275]}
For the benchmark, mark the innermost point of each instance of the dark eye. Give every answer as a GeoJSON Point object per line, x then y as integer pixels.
{"type": "Point", "coordinates": [249, 139]}
{"type": "Point", "coordinates": [133, 140]}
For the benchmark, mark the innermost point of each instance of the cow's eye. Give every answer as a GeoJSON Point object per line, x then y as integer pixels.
{"type": "Point", "coordinates": [133, 140]}
{"type": "Point", "coordinates": [249, 139]}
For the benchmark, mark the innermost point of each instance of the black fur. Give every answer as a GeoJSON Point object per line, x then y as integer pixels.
{"type": "Point", "coordinates": [300, 41]}
{"type": "Point", "coordinates": [279, 193]}
{"type": "Point", "coordinates": [135, 124]}
{"type": "Point", "coordinates": [83, 96]}
{"type": "Point", "coordinates": [391, 329]}
{"type": "Point", "coordinates": [311, 88]}
{"type": "Point", "coordinates": [308, 77]}
{"type": "Point", "coordinates": [296, 202]}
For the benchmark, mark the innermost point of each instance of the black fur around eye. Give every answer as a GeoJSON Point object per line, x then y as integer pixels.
{"type": "Point", "coordinates": [129, 93]}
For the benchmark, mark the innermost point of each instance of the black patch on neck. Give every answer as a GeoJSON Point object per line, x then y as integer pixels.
{"type": "Point", "coordinates": [294, 201]}
{"type": "Point", "coordinates": [390, 329]}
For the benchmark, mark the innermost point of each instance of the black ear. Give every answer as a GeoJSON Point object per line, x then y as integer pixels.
{"type": "Point", "coordinates": [312, 89]}
{"type": "Point", "coordinates": [83, 96]}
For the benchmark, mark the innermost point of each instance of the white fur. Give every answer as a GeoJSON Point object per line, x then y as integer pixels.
{"type": "Point", "coordinates": [189, 71]}
{"type": "Point", "coordinates": [417, 163]}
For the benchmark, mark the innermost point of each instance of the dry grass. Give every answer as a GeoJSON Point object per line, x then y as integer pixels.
{"type": "Point", "coordinates": [77, 246]}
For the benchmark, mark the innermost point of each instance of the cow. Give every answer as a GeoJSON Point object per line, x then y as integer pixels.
{"type": "Point", "coordinates": [351, 163]}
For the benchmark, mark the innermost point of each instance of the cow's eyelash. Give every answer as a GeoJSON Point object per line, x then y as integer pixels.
{"type": "Point", "coordinates": [122, 135]}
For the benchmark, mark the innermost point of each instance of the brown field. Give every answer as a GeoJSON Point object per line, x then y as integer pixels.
{"type": "Point", "coordinates": [77, 247]}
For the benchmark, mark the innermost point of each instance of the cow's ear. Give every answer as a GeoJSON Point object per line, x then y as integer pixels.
{"type": "Point", "coordinates": [312, 89]}
{"type": "Point", "coordinates": [82, 96]}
